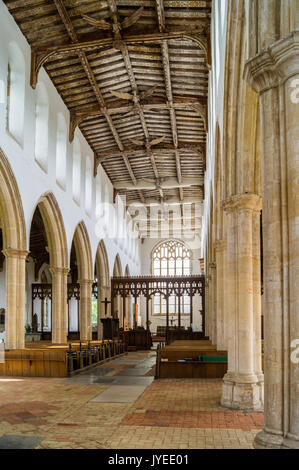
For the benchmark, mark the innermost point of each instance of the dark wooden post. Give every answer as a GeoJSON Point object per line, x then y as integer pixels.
{"type": "Point", "coordinates": [167, 311]}
{"type": "Point", "coordinates": [124, 311]}
{"type": "Point", "coordinates": [203, 307]}
{"type": "Point", "coordinates": [135, 313]}
{"type": "Point", "coordinates": [78, 314]}
{"type": "Point", "coordinates": [179, 310]}
{"type": "Point", "coordinates": [191, 309]}
{"type": "Point", "coordinates": [147, 311]}
{"type": "Point", "coordinates": [112, 304]}
{"type": "Point", "coordinates": [42, 311]}
{"type": "Point", "coordinates": [68, 316]}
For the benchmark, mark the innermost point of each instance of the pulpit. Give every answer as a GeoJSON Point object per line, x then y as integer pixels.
{"type": "Point", "coordinates": [110, 328]}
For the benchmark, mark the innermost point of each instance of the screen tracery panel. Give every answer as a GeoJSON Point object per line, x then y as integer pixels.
{"type": "Point", "coordinates": [171, 258]}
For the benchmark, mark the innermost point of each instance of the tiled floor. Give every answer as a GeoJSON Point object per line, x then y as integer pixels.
{"type": "Point", "coordinates": [134, 411]}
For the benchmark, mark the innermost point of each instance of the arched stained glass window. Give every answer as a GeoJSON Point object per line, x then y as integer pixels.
{"type": "Point", "coordinates": [171, 258]}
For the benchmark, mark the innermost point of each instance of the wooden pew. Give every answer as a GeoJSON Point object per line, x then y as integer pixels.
{"type": "Point", "coordinates": [185, 359]}
{"type": "Point", "coordinates": [48, 360]}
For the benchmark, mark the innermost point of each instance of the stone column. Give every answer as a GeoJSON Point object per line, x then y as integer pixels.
{"type": "Point", "coordinates": [59, 304]}
{"type": "Point", "coordinates": [85, 309]}
{"type": "Point", "coordinates": [207, 318]}
{"type": "Point", "coordinates": [15, 298]}
{"type": "Point", "coordinates": [274, 74]}
{"type": "Point", "coordinates": [212, 302]}
{"type": "Point", "coordinates": [101, 308]}
{"type": "Point", "coordinates": [220, 249]}
{"type": "Point", "coordinates": [241, 387]}
{"type": "Point", "coordinates": [129, 311]}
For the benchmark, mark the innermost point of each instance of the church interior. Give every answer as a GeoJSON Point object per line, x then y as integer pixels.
{"type": "Point", "coordinates": [149, 238]}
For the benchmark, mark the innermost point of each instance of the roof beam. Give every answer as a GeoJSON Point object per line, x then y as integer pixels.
{"type": "Point", "coordinates": [40, 56]}
{"type": "Point", "coordinates": [167, 183]}
{"type": "Point", "coordinates": [78, 115]}
{"type": "Point", "coordinates": [167, 77]}
{"type": "Point", "coordinates": [171, 201]}
{"type": "Point", "coordinates": [164, 150]}
{"type": "Point", "coordinates": [93, 82]}
{"type": "Point", "coordinates": [160, 15]}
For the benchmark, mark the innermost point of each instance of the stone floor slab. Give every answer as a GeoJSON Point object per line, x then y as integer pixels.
{"type": "Point", "coordinates": [19, 442]}
{"type": "Point", "coordinates": [124, 380]}
{"type": "Point", "coordinates": [120, 394]}
{"type": "Point", "coordinates": [98, 371]}
{"type": "Point", "coordinates": [137, 371]}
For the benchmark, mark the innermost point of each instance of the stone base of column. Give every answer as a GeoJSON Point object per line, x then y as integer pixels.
{"type": "Point", "coordinates": [268, 440]}
{"type": "Point", "coordinates": [242, 393]}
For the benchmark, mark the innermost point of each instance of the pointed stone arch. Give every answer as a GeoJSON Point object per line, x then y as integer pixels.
{"type": "Point", "coordinates": [127, 270]}
{"type": "Point", "coordinates": [11, 208]}
{"type": "Point", "coordinates": [12, 223]}
{"type": "Point", "coordinates": [85, 278]}
{"type": "Point", "coordinates": [55, 230]}
{"type": "Point", "coordinates": [117, 303]}
{"type": "Point", "coordinates": [83, 252]}
{"type": "Point", "coordinates": [103, 278]}
{"type": "Point", "coordinates": [117, 269]}
{"type": "Point", "coordinates": [58, 253]}
{"type": "Point", "coordinates": [102, 264]}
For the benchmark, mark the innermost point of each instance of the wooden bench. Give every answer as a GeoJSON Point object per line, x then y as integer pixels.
{"type": "Point", "coordinates": [35, 363]}
{"type": "Point", "coordinates": [48, 360]}
{"type": "Point", "coordinates": [189, 370]}
{"type": "Point", "coordinates": [191, 359]}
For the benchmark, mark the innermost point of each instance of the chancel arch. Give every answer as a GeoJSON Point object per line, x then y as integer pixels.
{"type": "Point", "coordinates": [85, 279]}
{"type": "Point", "coordinates": [13, 235]}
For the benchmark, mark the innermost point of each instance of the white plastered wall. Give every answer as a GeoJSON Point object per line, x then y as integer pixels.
{"type": "Point", "coordinates": [33, 181]}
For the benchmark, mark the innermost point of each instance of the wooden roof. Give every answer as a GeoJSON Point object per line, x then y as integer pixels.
{"type": "Point", "coordinates": [93, 50]}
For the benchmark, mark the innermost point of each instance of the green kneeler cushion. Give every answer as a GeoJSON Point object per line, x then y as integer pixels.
{"type": "Point", "coordinates": [212, 358]}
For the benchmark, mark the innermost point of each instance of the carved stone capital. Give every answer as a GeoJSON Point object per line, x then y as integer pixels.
{"type": "Point", "coordinates": [247, 201]}
{"type": "Point", "coordinates": [59, 271]}
{"type": "Point", "coordinates": [274, 65]}
{"type": "Point", "coordinates": [15, 253]}
{"type": "Point", "coordinates": [85, 282]}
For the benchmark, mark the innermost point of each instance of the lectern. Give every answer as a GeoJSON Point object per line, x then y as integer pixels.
{"type": "Point", "coordinates": [110, 327]}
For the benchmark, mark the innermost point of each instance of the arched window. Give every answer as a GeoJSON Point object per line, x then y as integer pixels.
{"type": "Point", "coordinates": [171, 258]}
{"type": "Point", "coordinates": [15, 92]}
{"type": "Point", "coordinates": [76, 170]}
{"type": "Point", "coordinates": [41, 125]}
{"type": "Point", "coordinates": [88, 185]}
{"type": "Point", "coordinates": [61, 139]}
